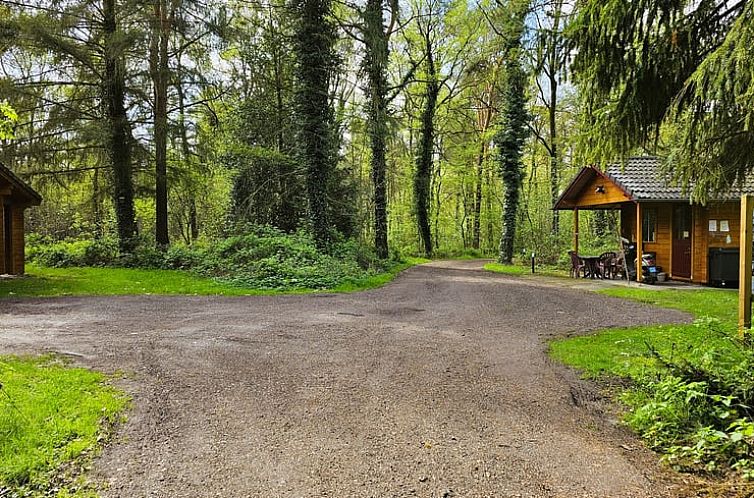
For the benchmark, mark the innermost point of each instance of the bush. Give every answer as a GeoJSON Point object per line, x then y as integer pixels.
{"type": "Point", "coordinates": [254, 257]}
{"type": "Point", "coordinates": [700, 412]}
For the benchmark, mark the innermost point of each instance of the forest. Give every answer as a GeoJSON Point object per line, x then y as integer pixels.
{"type": "Point", "coordinates": [163, 132]}
{"type": "Point", "coordinates": [295, 146]}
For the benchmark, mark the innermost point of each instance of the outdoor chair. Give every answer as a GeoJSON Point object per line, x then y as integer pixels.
{"type": "Point", "coordinates": [609, 264]}
{"type": "Point", "coordinates": [577, 265]}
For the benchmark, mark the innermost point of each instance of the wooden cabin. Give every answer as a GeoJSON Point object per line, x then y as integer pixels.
{"type": "Point", "coordinates": [686, 237]}
{"type": "Point", "coordinates": [15, 197]}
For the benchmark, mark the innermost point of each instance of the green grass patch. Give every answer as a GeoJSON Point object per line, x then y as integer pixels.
{"type": "Point", "coordinates": [88, 281]}
{"type": "Point", "coordinates": [521, 270]}
{"type": "Point", "coordinates": [626, 352]}
{"type": "Point", "coordinates": [53, 418]}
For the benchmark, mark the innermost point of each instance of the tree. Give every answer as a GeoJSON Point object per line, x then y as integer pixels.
{"type": "Point", "coordinates": [8, 118]}
{"type": "Point", "coordinates": [84, 93]}
{"type": "Point", "coordinates": [118, 127]}
{"type": "Point", "coordinates": [513, 123]}
{"type": "Point", "coordinates": [669, 77]}
{"type": "Point", "coordinates": [164, 12]}
{"type": "Point", "coordinates": [314, 41]}
{"type": "Point", "coordinates": [376, 42]}
{"type": "Point", "coordinates": [551, 54]}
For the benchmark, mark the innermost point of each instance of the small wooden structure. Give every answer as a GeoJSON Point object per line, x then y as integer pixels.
{"type": "Point", "coordinates": [657, 215]}
{"type": "Point", "coordinates": [15, 197]}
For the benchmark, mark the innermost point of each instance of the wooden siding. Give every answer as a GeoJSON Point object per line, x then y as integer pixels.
{"type": "Point", "coordinates": [590, 198]}
{"type": "Point", "coordinates": [18, 240]}
{"type": "Point", "coordinates": [704, 240]}
{"type": "Point", "coordinates": [663, 235]}
{"type": "Point", "coordinates": [2, 238]}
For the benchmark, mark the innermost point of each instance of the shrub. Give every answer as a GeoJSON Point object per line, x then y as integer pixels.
{"type": "Point", "coordinates": [258, 257]}
{"type": "Point", "coordinates": [700, 412]}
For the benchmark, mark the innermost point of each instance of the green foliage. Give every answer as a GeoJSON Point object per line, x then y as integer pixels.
{"type": "Point", "coordinates": [8, 119]}
{"type": "Point", "coordinates": [263, 258]}
{"type": "Point", "coordinates": [700, 411]}
{"type": "Point", "coordinates": [268, 188]}
{"type": "Point", "coordinates": [512, 131]}
{"type": "Point", "coordinates": [672, 77]}
{"type": "Point", "coordinates": [53, 419]}
{"type": "Point", "coordinates": [693, 390]}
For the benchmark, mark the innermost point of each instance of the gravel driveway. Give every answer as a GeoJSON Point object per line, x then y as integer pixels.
{"type": "Point", "coordinates": [436, 385]}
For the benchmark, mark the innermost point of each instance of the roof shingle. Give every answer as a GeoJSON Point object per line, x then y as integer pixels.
{"type": "Point", "coordinates": [642, 179]}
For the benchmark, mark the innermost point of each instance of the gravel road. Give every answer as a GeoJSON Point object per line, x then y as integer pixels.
{"type": "Point", "coordinates": [436, 385]}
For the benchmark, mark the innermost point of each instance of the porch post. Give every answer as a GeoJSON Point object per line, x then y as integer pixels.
{"type": "Point", "coordinates": [639, 241]}
{"type": "Point", "coordinates": [744, 268]}
{"type": "Point", "coordinates": [576, 230]}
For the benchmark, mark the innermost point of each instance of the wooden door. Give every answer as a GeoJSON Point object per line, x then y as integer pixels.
{"type": "Point", "coordinates": [683, 231]}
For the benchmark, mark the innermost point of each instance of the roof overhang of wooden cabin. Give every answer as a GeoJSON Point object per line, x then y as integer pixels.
{"type": "Point", "coordinates": [16, 191]}
{"type": "Point", "coordinates": [593, 189]}
{"type": "Point", "coordinates": [637, 179]}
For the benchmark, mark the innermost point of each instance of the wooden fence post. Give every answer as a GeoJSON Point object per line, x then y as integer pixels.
{"type": "Point", "coordinates": [744, 266]}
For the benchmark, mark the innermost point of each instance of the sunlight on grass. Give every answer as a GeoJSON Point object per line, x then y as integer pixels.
{"type": "Point", "coordinates": [626, 352]}
{"type": "Point", "coordinates": [50, 415]}
{"type": "Point", "coordinates": [42, 281]}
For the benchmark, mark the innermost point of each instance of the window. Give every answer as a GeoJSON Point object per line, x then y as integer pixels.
{"type": "Point", "coordinates": [649, 226]}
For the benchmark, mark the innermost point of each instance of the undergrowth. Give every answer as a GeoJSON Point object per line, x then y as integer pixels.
{"type": "Point", "coordinates": [255, 257]}
{"type": "Point", "coordinates": [692, 384]}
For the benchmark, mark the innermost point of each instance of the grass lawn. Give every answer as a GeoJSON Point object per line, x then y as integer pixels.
{"type": "Point", "coordinates": [525, 270]}
{"type": "Point", "coordinates": [625, 352]}
{"type": "Point", "coordinates": [52, 420]}
{"type": "Point", "coordinates": [41, 281]}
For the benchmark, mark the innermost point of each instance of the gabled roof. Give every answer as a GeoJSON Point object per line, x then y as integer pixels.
{"type": "Point", "coordinates": [19, 186]}
{"type": "Point", "coordinates": [641, 179]}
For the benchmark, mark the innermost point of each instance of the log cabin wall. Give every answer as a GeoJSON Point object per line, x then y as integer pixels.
{"type": "Point", "coordinates": [704, 239]}
{"type": "Point", "coordinates": [2, 238]}
{"type": "Point", "coordinates": [17, 234]}
{"type": "Point", "coordinates": [663, 234]}
{"type": "Point", "coordinates": [628, 222]}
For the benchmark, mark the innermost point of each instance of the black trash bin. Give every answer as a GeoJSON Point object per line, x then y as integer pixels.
{"type": "Point", "coordinates": [723, 267]}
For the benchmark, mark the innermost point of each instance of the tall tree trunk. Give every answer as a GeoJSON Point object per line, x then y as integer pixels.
{"type": "Point", "coordinates": [186, 153]}
{"type": "Point", "coordinates": [423, 175]}
{"type": "Point", "coordinates": [118, 129]}
{"type": "Point", "coordinates": [552, 108]}
{"type": "Point", "coordinates": [484, 120]}
{"type": "Point", "coordinates": [314, 41]}
{"type": "Point", "coordinates": [375, 63]}
{"type": "Point", "coordinates": [512, 134]}
{"type": "Point", "coordinates": [158, 62]}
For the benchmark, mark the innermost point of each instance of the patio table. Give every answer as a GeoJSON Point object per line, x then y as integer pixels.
{"type": "Point", "coordinates": [592, 267]}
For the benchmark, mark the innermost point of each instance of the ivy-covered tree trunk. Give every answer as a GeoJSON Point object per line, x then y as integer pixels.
{"type": "Point", "coordinates": [423, 174]}
{"type": "Point", "coordinates": [118, 128]}
{"type": "Point", "coordinates": [375, 65]}
{"type": "Point", "coordinates": [313, 43]}
{"type": "Point", "coordinates": [512, 132]}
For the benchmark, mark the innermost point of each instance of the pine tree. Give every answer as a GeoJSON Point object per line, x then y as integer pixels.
{"type": "Point", "coordinates": [670, 77]}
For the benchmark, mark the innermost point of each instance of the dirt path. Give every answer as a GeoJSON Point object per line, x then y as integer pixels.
{"type": "Point", "coordinates": [436, 385]}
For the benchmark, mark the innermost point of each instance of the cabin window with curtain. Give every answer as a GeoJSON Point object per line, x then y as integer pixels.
{"type": "Point", "coordinates": [649, 226]}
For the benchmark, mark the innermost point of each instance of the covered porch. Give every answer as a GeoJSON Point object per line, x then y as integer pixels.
{"type": "Point", "coordinates": [691, 242]}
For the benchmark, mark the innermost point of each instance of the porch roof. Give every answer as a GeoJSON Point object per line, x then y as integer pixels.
{"type": "Point", "coordinates": [641, 179]}
{"type": "Point", "coordinates": [20, 190]}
